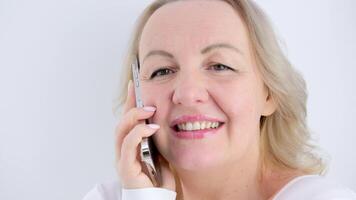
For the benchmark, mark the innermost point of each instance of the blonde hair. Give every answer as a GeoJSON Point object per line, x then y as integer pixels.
{"type": "Point", "coordinates": [285, 138]}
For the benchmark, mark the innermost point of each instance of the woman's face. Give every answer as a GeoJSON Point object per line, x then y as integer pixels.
{"type": "Point", "coordinates": [196, 65]}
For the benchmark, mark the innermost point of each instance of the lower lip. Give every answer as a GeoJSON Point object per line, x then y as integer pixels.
{"type": "Point", "coordinates": [200, 134]}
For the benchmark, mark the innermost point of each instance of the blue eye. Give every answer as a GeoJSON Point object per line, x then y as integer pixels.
{"type": "Point", "coordinates": [161, 72]}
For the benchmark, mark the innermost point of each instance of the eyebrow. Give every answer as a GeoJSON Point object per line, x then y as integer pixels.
{"type": "Point", "coordinates": [203, 51]}
{"type": "Point", "coordinates": [220, 45]}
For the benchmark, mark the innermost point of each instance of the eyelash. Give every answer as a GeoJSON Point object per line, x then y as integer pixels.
{"type": "Point", "coordinates": [225, 66]}
{"type": "Point", "coordinates": [154, 74]}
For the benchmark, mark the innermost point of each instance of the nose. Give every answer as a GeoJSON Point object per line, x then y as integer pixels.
{"type": "Point", "coordinates": [190, 89]}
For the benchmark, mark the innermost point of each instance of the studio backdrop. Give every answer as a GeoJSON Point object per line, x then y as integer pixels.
{"type": "Point", "coordinates": [60, 62]}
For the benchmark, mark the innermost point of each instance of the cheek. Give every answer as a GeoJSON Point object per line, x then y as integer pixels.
{"type": "Point", "coordinates": [159, 97]}
{"type": "Point", "coordinates": [238, 101]}
{"type": "Point", "coordinates": [240, 105]}
{"type": "Point", "coordinates": [154, 95]}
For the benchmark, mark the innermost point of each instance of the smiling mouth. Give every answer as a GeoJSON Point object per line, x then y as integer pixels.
{"type": "Point", "coordinates": [197, 126]}
{"type": "Point", "coordinates": [192, 132]}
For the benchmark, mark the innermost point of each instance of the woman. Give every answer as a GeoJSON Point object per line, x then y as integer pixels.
{"type": "Point", "coordinates": [216, 66]}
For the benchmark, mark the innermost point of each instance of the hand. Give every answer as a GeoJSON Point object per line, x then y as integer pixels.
{"type": "Point", "coordinates": [129, 133]}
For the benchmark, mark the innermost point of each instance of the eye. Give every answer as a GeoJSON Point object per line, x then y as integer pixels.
{"type": "Point", "coordinates": [220, 67]}
{"type": "Point", "coordinates": [161, 72]}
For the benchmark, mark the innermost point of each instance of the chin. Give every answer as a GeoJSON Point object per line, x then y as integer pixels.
{"type": "Point", "coordinates": [195, 160]}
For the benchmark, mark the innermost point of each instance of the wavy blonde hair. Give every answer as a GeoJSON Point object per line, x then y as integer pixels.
{"type": "Point", "coordinates": [285, 138]}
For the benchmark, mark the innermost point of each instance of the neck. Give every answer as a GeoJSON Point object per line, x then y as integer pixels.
{"type": "Point", "coordinates": [235, 180]}
{"type": "Point", "coordinates": [234, 183]}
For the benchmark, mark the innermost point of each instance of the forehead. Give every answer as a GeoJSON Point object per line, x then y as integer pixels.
{"type": "Point", "coordinates": [192, 25]}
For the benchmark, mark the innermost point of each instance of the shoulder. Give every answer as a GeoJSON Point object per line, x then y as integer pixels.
{"type": "Point", "coordinates": [314, 187]}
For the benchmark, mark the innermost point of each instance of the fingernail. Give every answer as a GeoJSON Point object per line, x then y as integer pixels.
{"type": "Point", "coordinates": [149, 108]}
{"type": "Point", "coordinates": [153, 126]}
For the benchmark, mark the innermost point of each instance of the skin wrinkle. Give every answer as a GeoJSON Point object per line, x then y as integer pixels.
{"type": "Point", "coordinates": [203, 51]}
{"type": "Point", "coordinates": [230, 58]}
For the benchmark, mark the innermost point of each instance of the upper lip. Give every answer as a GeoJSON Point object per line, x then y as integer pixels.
{"type": "Point", "coordinates": [193, 118]}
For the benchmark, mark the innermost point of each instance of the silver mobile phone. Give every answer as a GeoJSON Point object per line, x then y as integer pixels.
{"type": "Point", "coordinates": [148, 150]}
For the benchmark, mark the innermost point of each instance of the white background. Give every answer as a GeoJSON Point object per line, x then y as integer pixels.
{"type": "Point", "coordinates": [59, 66]}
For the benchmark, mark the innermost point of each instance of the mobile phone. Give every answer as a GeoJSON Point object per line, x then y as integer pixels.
{"type": "Point", "coordinates": [148, 150]}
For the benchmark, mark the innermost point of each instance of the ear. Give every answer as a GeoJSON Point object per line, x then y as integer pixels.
{"type": "Point", "coordinates": [269, 104]}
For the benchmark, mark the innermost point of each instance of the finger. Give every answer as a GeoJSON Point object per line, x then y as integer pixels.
{"type": "Point", "coordinates": [133, 139]}
{"type": "Point", "coordinates": [128, 122]}
{"type": "Point", "coordinates": [134, 169]}
{"type": "Point", "coordinates": [130, 98]}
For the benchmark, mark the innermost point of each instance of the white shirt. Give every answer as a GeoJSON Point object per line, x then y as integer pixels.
{"type": "Point", "coordinates": [308, 187]}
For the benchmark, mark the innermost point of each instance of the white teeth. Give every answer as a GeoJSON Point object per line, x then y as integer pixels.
{"type": "Point", "coordinates": [189, 126]}
{"type": "Point", "coordinates": [180, 126]}
{"type": "Point", "coordinates": [198, 125]}
{"type": "Point", "coordinates": [202, 125]}
{"type": "Point", "coordinates": [213, 125]}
